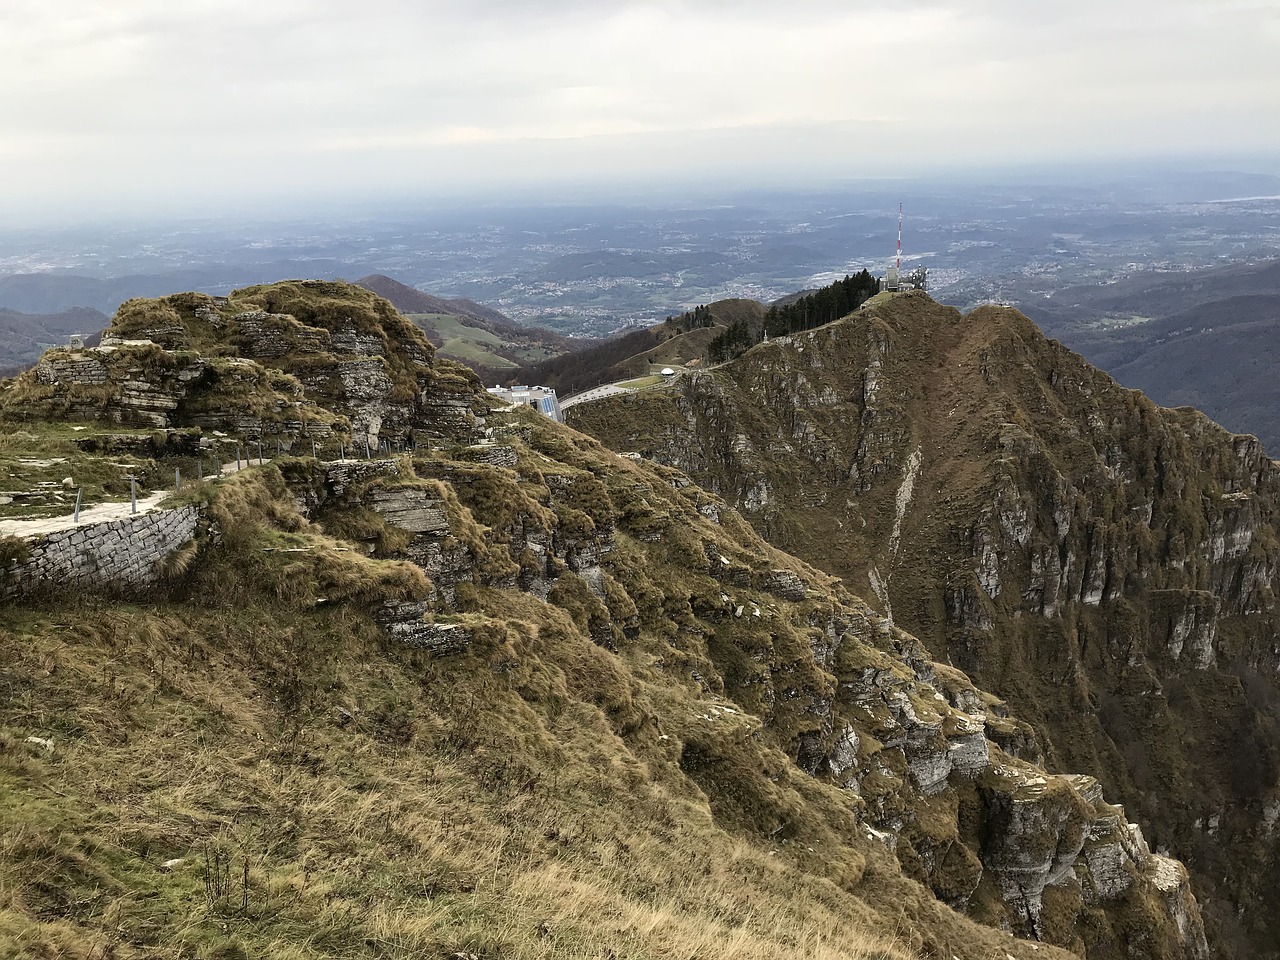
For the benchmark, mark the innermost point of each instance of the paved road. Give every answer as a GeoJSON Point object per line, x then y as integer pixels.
{"type": "Point", "coordinates": [595, 393]}
{"type": "Point", "coordinates": [101, 513]}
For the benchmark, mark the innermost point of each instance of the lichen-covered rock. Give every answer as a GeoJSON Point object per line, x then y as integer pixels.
{"type": "Point", "coordinates": [410, 623]}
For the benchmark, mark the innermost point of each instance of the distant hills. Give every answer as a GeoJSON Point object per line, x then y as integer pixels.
{"type": "Point", "coordinates": [479, 336]}
{"type": "Point", "coordinates": [677, 340]}
{"type": "Point", "coordinates": [1208, 339]}
{"type": "Point", "coordinates": [38, 310]}
{"type": "Point", "coordinates": [409, 299]}
{"type": "Point", "coordinates": [24, 336]}
{"type": "Point", "coordinates": [1221, 357]}
{"type": "Point", "coordinates": [56, 292]}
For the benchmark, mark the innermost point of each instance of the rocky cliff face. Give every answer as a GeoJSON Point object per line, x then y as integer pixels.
{"type": "Point", "coordinates": [297, 360]}
{"type": "Point", "coordinates": [933, 768]}
{"type": "Point", "coordinates": [804, 718]}
{"type": "Point", "coordinates": [1107, 566]}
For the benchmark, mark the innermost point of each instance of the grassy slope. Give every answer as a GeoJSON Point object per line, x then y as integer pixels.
{"type": "Point", "coordinates": [458, 341]}
{"type": "Point", "coordinates": [982, 397]}
{"type": "Point", "coordinates": [240, 769]}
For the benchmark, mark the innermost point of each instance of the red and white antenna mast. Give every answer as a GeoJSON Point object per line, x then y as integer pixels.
{"type": "Point", "coordinates": [899, 263]}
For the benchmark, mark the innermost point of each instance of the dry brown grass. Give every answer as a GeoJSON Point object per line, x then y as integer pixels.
{"type": "Point", "coordinates": [238, 770]}
{"type": "Point", "coordinates": [301, 830]}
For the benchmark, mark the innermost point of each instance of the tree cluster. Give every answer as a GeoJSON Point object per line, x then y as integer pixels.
{"type": "Point", "coordinates": [694, 319]}
{"type": "Point", "coordinates": [813, 310]}
{"type": "Point", "coordinates": [822, 306]}
{"type": "Point", "coordinates": [737, 339]}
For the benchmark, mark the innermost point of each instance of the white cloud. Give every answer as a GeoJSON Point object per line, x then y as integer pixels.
{"type": "Point", "coordinates": [131, 98]}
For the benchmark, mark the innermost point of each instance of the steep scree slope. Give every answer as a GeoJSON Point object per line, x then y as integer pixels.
{"type": "Point", "coordinates": [1107, 566]}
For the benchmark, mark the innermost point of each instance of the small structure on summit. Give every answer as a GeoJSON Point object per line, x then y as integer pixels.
{"type": "Point", "coordinates": [542, 399]}
{"type": "Point", "coordinates": [894, 280]}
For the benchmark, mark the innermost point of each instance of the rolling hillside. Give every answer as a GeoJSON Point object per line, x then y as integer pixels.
{"type": "Point", "coordinates": [463, 330]}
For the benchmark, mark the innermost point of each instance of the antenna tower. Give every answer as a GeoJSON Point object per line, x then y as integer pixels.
{"type": "Point", "coordinates": [899, 261]}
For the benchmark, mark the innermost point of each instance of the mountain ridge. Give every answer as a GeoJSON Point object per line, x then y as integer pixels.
{"type": "Point", "coordinates": [1204, 338]}
{"type": "Point", "coordinates": [494, 357]}
{"type": "Point", "coordinates": [596, 671]}
{"type": "Point", "coordinates": [1106, 565]}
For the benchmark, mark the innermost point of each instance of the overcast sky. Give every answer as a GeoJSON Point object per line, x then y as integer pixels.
{"type": "Point", "coordinates": [105, 103]}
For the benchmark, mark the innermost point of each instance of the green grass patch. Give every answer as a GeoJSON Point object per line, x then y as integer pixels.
{"type": "Point", "coordinates": [463, 342]}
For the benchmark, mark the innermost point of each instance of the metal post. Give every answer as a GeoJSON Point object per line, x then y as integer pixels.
{"type": "Point", "coordinates": [79, 492]}
{"type": "Point", "coordinates": [133, 495]}
{"type": "Point", "coordinates": [177, 479]}
{"type": "Point", "coordinates": [342, 452]}
{"type": "Point", "coordinates": [277, 446]}
{"type": "Point", "coordinates": [237, 456]}
{"type": "Point", "coordinates": [259, 451]}
{"type": "Point", "coordinates": [219, 461]}
{"type": "Point", "coordinates": [367, 455]}
{"type": "Point", "coordinates": [313, 448]}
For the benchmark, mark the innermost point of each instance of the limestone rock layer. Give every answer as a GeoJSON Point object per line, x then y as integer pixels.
{"type": "Point", "coordinates": [1106, 566]}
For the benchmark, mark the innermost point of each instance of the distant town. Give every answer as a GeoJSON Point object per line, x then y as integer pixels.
{"type": "Point", "coordinates": [591, 270]}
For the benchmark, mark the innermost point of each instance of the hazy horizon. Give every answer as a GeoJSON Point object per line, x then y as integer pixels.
{"type": "Point", "coordinates": [229, 104]}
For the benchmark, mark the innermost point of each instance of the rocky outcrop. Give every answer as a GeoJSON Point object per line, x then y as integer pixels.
{"type": "Point", "coordinates": [72, 366]}
{"type": "Point", "coordinates": [489, 553]}
{"type": "Point", "coordinates": [270, 336]}
{"type": "Point", "coordinates": [1107, 566]}
{"type": "Point", "coordinates": [412, 624]}
{"type": "Point", "coordinates": [307, 360]}
{"type": "Point", "coordinates": [852, 699]}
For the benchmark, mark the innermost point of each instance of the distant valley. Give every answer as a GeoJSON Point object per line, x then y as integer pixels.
{"type": "Point", "coordinates": [1208, 339]}
{"type": "Point", "coordinates": [1151, 275]}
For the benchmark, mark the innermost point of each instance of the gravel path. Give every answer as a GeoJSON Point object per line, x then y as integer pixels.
{"type": "Point", "coordinates": [40, 526]}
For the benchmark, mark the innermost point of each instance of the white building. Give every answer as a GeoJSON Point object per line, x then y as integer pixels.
{"type": "Point", "coordinates": [542, 399]}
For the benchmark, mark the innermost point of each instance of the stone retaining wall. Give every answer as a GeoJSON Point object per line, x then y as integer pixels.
{"type": "Point", "coordinates": [120, 553]}
{"type": "Point", "coordinates": [72, 368]}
